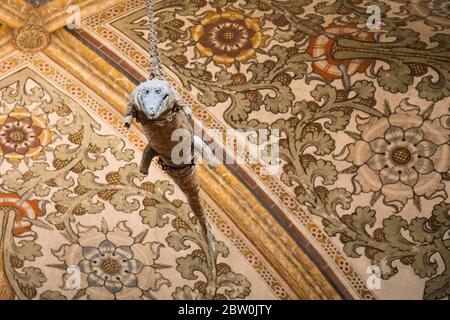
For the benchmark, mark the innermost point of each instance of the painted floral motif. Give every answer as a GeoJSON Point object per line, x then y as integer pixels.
{"type": "Point", "coordinates": [113, 264]}
{"type": "Point", "coordinates": [23, 135]}
{"type": "Point", "coordinates": [440, 7]}
{"type": "Point", "coordinates": [228, 37]}
{"type": "Point", "coordinates": [402, 155]}
{"type": "Point", "coordinates": [25, 213]}
{"type": "Point", "coordinates": [15, 225]}
{"type": "Point", "coordinates": [323, 45]}
{"type": "Point", "coordinates": [435, 12]}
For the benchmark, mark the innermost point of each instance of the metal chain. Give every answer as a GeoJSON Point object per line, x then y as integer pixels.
{"type": "Point", "coordinates": [155, 71]}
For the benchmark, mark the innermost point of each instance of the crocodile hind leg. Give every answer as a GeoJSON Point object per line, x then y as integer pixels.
{"type": "Point", "coordinates": [186, 179]}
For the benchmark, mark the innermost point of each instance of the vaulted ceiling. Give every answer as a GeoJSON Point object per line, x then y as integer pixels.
{"type": "Point", "coordinates": [358, 210]}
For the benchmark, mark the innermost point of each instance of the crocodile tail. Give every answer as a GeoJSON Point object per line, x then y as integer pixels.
{"type": "Point", "coordinates": [187, 181]}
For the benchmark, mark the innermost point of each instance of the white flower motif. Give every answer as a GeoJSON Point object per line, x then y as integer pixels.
{"type": "Point", "coordinates": [113, 265]}
{"type": "Point", "coordinates": [110, 266]}
{"type": "Point", "coordinates": [402, 155]}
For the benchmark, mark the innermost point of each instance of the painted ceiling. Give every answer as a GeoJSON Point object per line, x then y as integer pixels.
{"type": "Point", "coordinates": [359, 209]}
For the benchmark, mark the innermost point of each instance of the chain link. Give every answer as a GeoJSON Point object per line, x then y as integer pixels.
{"type": "Point", "coordinates": [155, 71]}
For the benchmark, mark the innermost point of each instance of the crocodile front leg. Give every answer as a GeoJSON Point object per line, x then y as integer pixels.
{"type": "Point", "coordinates": [147, 158]}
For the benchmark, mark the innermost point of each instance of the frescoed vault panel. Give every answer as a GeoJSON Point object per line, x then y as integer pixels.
{"type": "Point", "coordinates": [364, 116]}
{"type": "Point", "coordinates": [72, 202]}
